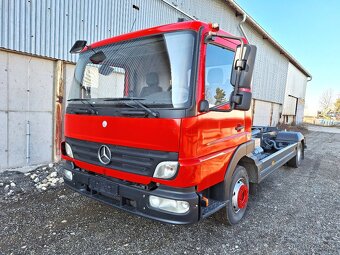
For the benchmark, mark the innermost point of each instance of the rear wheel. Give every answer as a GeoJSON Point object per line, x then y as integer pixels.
{"type": "Point", "coordinates": [296, 161]}
{"type": "Point", "coordinates": [238, 196]}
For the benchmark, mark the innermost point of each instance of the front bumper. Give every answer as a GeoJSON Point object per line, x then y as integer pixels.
{"type": "Point", "coordinates": [126, 196]}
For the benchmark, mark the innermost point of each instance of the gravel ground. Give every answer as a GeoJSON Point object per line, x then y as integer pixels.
{"type": "Point", "coordinates": [296, 211]}
{"type": "Point", "coordinates": [324, 129]}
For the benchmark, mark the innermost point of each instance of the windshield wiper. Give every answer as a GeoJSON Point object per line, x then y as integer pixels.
{"type": "Point", "coordinates": [136, 100]}
{"type": "Point", "coordinates": [91, 109]}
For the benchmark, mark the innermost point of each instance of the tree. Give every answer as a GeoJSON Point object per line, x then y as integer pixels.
{"type": "Point", "coordinates": [337, 106]}
{"type": "Point", "coordinates": [220, 96]}
{"type": "Point", "coordinates": [326, 100]}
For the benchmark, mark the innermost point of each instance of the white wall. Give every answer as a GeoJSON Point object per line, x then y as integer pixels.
{"type": "Point", "coordinates": [18, 74]}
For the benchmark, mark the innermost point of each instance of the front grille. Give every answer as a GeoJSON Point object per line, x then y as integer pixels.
{"type": "Point", "coordinates": [132, 160]}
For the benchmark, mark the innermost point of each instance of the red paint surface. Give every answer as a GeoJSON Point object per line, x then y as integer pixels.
{"type": "Point", "coordinates": [242, 197]}
{"type": "Point", "coordinates": [244, 89]}
{"type": "Point", "coordinates": [193, 25]}
{"type": "Point", "coordinates": [58, 130]}
{"type": "Point", "coordinates": [146, 133]}
{"type": "Point", "coordinates": [205, 142]}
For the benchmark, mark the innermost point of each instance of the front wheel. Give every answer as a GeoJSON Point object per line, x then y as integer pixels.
{"type": "Point", "coordinates": [238, 196]}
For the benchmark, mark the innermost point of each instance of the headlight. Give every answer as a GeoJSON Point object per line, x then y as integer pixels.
{"type": "Point", "coordinates": [166, 169]}
{"type": "Point", "coordinates": [68, 150]}
{"type": "Point", "coordinates": [169, 205]}
{"type": "Point", "coordinates": [68, 174]}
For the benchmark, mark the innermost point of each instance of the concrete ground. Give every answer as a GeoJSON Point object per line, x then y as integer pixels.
{"type": "Point", "coordinates": [296, 211]}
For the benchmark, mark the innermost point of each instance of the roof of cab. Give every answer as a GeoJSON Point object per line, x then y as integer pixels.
{"type": "Point", "coordinates": [188, 25]}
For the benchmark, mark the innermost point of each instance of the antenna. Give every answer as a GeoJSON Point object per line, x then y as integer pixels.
{"type": "Point", "coordinates": [137, 9]}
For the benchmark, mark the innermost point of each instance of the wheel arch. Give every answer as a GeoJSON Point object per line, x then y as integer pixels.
{"type": "Point", "coordinates": [220, 191]}
{"type": "Point", "coordinates": [249, 165]}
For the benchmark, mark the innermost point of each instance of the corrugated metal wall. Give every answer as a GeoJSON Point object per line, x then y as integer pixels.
{"type": "Point", "coordinates": [295, 92]}
{"type": "Point", "coordinates": [270, 73]}
{"type": "Point", "coordinates": [50, 27]}
{"type": "Point", "coordinates": [294, 96]}
{"type": "Point", "coordinates": [271, 67]}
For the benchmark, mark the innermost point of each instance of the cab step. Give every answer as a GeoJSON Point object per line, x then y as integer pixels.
{"type": "Point", "coordinates": [214, 206]}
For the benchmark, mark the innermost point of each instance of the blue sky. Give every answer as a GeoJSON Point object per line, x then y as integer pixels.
{"type": "Point", "coordinates": [310, 31]}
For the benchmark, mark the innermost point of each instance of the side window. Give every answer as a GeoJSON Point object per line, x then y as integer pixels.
{"type": "Point", "coordinates": [218, 65]}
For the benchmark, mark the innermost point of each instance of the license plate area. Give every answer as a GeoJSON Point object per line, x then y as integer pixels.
{"type": "Point", "coordinates": [104, 187]}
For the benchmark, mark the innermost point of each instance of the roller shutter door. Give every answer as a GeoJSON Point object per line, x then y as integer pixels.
{"type": "Point", "coordinates": [277, 109]}
{"type": "Point", "coordinates": [262, 112]}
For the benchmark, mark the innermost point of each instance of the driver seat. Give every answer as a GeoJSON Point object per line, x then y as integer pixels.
{"type": "Point", "coordinates": [152, 80]}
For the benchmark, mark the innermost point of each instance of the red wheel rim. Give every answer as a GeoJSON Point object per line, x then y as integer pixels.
{"type": "Point", "coordinates": [242, 197]}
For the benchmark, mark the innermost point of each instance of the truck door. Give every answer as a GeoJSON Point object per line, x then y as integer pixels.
{"type": "Point", "coordinates": [219, 132]}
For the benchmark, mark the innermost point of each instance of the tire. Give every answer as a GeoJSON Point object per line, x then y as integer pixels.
{"type": "Point", "coordinates": [232, 215]}
{"type": "Point", "coordinates": [296, 161]}
{"type": "Point", "coordinates": [254, 189]}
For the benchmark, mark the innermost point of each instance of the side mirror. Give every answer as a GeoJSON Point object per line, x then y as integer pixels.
{"type": "Point", "coordinates": [243, 66]}
{"type": "Point", "coordinates": [78, 46]}
{"type": "Point", "coordinates": [105, 70]}
{"type": "Point", "coordinates": [242, 100]}
{"type": "Point", "coordinates": [98, 57]}
{"type": "Point", "coordinates": [204, 106]}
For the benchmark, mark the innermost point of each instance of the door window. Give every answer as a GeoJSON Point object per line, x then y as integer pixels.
{"type": "Point", "coordinates": [218, 66]}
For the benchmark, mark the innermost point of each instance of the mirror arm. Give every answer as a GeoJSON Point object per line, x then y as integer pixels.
{"type": "Point", "coordinates": [214, 34]}
{"type": "Point", "coordinates": [208, 39]}
{"type": "Point", "coordinates": [220, 110]}
{"type": "Point", "coordinates": [216, 109]}
{"type": "Point", "coordinates": [236, 87]}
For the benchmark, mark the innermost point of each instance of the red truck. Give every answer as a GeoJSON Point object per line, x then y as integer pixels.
{"type": "Point", "coordinates": [158, 124]}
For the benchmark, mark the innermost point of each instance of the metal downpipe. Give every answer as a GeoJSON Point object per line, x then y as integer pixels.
{"type": "Point", "coordinates": [241, 27]}
{"type": "Point", "coordinates": [28, 124]}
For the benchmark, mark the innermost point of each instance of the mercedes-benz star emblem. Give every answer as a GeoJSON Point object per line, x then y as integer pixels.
{"type": "Point", "coordinates": [104, 154]}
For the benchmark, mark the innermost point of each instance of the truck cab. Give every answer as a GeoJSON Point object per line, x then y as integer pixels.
{"type": "Point", "coordinates": [158, 124]}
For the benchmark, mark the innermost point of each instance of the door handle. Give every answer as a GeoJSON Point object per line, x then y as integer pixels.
{"type": "Point", "coordinates": [239, 127]}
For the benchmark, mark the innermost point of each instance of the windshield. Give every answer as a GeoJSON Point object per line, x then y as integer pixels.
{"type": "Point", "coordinates": [155, 70]}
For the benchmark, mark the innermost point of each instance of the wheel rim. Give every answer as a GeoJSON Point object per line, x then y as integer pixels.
{"type": "Point", "coordinates": [240, 195]}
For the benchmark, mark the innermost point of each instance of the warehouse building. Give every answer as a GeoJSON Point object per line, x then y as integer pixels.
{"type": "Point", "coordinates": [36, 67]}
